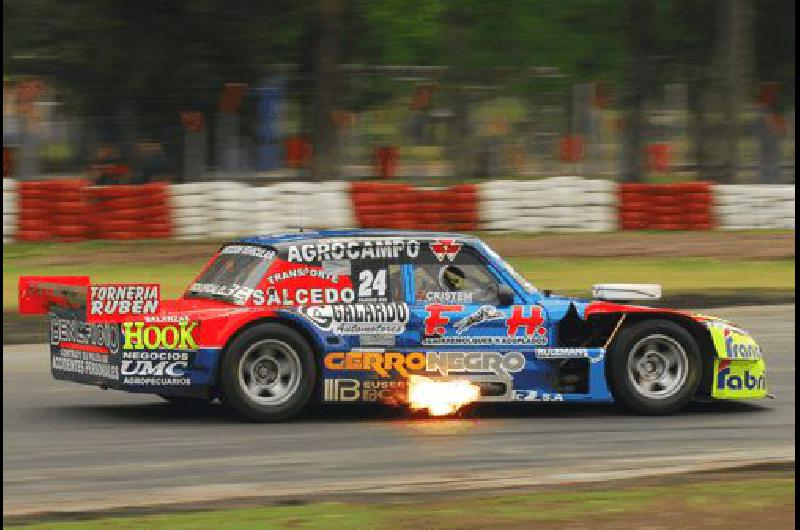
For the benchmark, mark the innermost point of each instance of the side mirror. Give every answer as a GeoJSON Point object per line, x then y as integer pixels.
{"type": "Point", "coordinates": [505, 296]}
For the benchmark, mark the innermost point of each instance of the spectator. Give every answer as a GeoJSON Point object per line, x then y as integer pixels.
{"type": "Point", "coordinates": [108, 166]}
{"type": "Point", "coordinates": [151, 163]}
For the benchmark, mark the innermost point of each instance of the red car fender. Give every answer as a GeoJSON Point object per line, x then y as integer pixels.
{"type": "Point", "coordinates": [601, 307]}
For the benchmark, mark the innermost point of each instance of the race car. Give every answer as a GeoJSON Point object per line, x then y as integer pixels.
{"type": "Point", "coordinates": [274, 322]}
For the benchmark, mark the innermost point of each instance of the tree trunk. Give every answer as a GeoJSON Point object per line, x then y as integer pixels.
{"type": "Point", "coordinates": [324, 165]}
{"type": "Point", "coordinates": [734, 49]}
{"type": "Point", "coordinates": [459, 146]}
{"type": "Point", "coordinates": [639, 24]}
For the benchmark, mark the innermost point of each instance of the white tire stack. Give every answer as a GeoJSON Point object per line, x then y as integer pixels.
{"type": "Point", "coordinates": [10, 209]}
{"type": "Point", "coordinates": [190, 217]}
{"type": "Point", "coordinates": [553, 204]}
{"type": "Point", "coordinates": [229, 208]}
{"type": "Point", "coordinates": [314, 205]}
{"type": "Point", "coordinates": [767, 206]}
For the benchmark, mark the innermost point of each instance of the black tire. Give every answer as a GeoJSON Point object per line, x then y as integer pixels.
{"type": "Point", "coordinates": [232, 383]}
{"type": "Point", "coordinates": [622, 376]}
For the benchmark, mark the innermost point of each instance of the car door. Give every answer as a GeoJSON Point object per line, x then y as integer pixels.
{"type": "Point", "coordinates": [458, 320]}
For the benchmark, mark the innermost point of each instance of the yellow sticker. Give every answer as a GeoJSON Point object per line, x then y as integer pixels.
{"type": "Point", "coordinates": [731, 342]}
{"type": "Point", "coordinates": [739, 379]}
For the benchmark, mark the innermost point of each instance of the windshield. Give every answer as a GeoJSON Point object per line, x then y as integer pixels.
{"type": "Point", "coordinates": [525, 284]}
{"type": "Point", "coordinates": [234, 275]}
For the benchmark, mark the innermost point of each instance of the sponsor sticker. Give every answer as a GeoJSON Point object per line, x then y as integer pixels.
{"type": "Point", "coordinates": [485, 313]}
{"type": "Point", "coordinates": [448, 297]}
{"type": "Point", "coordinates": [357, 390]}
{"type": "Point", "coordinates": [445, 249]}
{"type": "Point", "coordinates": [595, 355]}
{"type": "Point", "coordinates": [536, 395]}
{"type": "Point", "coordinates": [88, 351]}
{"type": "Point", "coordinates": [523, 326]}
{"type": "Point", "coordinates": [114, 302]}
{"type": "Point", "coordinates": [87, 336]}
{"type": "Point", "coordinates": [177, 336]}
{"type": "Point", "coordinates": [302, 272]}
{"type": "Point", "coordinates": [85, 363]}
{"type": "Point", "coordinates": [446, 363]}
{"type": "Point", "coordinates": [739, 379]}
{"type": "Point", "coordinates": [313, 296]}
{"type": "Point", "coordinates": [732, 342]}
{"type": "Point", "coordinates": [359, 319]}
{"type": "Point", "coordinates": [390, 249]}
{"type": "Point", "coordinates": [155, 368]}
{"type": "Point", "coordinates": [249, 250]}
{"type": "Point", "coordinates": [442, 363]}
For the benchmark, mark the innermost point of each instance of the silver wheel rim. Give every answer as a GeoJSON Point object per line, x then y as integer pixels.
{"type": "Point", "coordinates": [269, 372]}
{"type": "Point", "coordinates": [658, 366]}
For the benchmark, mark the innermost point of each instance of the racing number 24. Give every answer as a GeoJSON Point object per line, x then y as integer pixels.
{"type": "Point", "coordinates": [372, 283]}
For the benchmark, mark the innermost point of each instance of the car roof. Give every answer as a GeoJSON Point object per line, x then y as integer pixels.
{"type": "Point", "coordinates": [292, 237]}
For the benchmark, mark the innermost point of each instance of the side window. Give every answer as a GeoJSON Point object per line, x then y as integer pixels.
{"type": "Point", "coordinates": [465, 280]}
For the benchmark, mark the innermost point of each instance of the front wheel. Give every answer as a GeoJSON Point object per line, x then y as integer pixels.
{"type": "Point", "coordinates": [654, 367]}
{"type": "Point", "coordinates": [268, 373]}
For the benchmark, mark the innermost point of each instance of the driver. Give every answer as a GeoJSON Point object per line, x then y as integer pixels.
{"type": "Point", "coordinates": [452, 278]}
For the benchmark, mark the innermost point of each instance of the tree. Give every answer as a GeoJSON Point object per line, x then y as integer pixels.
{"type": "Point", "coordinates": [639, 24]}
{"type": "Point", "coordinates": [326, 85]}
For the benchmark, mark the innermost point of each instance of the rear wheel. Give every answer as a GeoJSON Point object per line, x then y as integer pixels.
{"type": "Point", "coordinates": [654, 367]}
{"type": "Point", "coordinates": [268, 373]}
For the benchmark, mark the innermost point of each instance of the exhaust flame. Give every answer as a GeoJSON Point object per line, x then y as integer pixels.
{"type": "Point", "coordinates": [440, 397]}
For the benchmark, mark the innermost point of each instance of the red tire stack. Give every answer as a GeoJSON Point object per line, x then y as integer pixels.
{"type": "Point", "coordinates": [401, 206]}
{"type": "Point", "coordinates": [685, 206]}
{"type": "Point", "coordinates": [35, 221]}
{"type": "Point", "coordinates": [131, 212]}
{"type": "Point", "coordinates": [71, 210]}
{"type": "Point", "coordinates": [53, 210]}
{"type": "Point", "coordinates": [381, 205]}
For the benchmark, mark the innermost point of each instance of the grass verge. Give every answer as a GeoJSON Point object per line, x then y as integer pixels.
{"type": "Point", "coordinates": [729, 503]}
{"type": "Point", "coordinates": [676, 275]}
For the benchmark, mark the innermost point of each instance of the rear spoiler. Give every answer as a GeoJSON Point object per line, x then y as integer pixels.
{"type": "Point", "coordinates": [39, 294]}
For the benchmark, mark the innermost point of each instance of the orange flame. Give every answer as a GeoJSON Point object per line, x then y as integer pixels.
{"type": "Point", "coordinates": [440, 397]}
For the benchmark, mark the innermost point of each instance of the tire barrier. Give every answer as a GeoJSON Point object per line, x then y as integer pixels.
{"type": "Point", "coordinates": [229, 209]}
{"type": "Point", "coordinates": [52, 210]}
{"type": "Point", "coordinates": [10, 210]}
{"type": "Point", "coordinates": [125, 212]}
{"type": "Point", "coordinates": [684, 206]}
{"type": "Point", "coordinates": [190, 219]}
{"type": "Point", "coordinates": [71, 210]}
{"type": "Point", "coordinates": [402, 206]}
{"type": "Point", "coordinates": [552, 204]}
{"type": "Point", "coordinates": [741, 206]}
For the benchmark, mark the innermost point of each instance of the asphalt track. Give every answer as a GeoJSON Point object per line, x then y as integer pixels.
{"type": "Point", "coordinates": [68, 447]}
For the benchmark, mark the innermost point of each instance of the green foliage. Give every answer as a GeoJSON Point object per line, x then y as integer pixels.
{"type": "Point", "coordinates": [152, 58]}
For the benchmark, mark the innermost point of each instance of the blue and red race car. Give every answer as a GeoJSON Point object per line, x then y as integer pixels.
{"type": "Point", "coordinates": [274, 322]}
